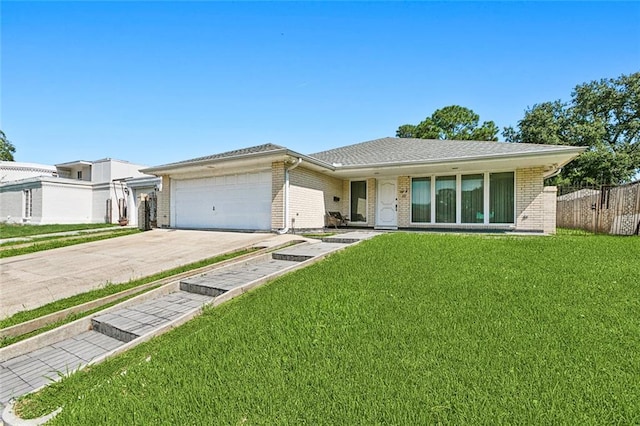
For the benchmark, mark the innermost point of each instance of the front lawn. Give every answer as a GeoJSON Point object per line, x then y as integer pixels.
{"type": "Point", "coordinates": [402, 329]}
{"type": "Point", "coordinates": [13, 248]}
{"type": "Point", "coordinates": [9, 230]}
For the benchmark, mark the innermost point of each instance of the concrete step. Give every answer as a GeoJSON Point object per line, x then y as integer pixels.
{"type": "Point", "coordinates": [129, 323]}
{"type": "Point", "coordinates": [350, 237]}
{"type": "Point", "coordinates": [222, 280]}
{"type": "Point", "coordinates": [302, 252]}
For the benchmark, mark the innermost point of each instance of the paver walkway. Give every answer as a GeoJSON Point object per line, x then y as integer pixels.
{"type": "Point", "coordinates": [33, 280]}
{"type": "Point", "coordinates": [112, 329]}
{"type": "Point", "coordinates": [25, 373]}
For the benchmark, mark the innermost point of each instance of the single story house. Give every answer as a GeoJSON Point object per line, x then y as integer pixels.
{"type": "Point", "coordinates": [386, 183]}
{"type": "Point", "coordinates": [102, 191]}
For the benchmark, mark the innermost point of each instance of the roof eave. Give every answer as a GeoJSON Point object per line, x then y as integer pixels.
{"type": "Point", "coordinates": [573, 150]}
{"type": "Point", "coordinates": [168, 168]}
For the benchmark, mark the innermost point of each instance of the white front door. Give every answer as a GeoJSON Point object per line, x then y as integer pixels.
{"type": "Point", "coordinates": [386, 212]}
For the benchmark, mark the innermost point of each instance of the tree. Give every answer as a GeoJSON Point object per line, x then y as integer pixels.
{"type": "Point", "coordinates": [6, 148]}
{"type": "Point", "coordinates": [406, 131]}
{"type": "Point", "coordinates": [451, 122]}
{"type": "Point", "coordinates": [603, 115]}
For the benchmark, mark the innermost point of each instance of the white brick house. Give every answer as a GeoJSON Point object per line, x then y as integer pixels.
{"type": "Point", "coordinates": [387, 183]}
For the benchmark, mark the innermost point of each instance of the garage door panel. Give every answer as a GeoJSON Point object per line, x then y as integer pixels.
{"type": "Point", "coordinates": [241, 201]}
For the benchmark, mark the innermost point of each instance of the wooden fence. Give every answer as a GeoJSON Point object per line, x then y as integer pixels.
{"type": "Point", "coordinates": [600, 209]}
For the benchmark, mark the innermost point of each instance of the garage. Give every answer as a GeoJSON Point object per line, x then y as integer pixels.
{"type": "Point", "coordinates": [234, 201]}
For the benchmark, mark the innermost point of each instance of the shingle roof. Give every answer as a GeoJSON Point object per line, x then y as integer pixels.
{"type": "Point", "coordinates": [408, 150]}
{"type": "Point", "coordinates": [267, 147]}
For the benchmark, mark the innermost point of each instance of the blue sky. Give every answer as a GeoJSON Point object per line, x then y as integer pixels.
{"type": "Point", "coordinates": [157, 82]}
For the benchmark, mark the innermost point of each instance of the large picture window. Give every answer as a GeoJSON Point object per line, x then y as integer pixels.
{"type": "Point", "coordinates": [358, 201]}
{"type": "Point", "coordinates": [421, 200]}
{"type": "Point", "coordinates": [501, 197]}
{"type": "Point", "coordinates": [446, 199]}
{"type": "Point", "coordinates": [479, 198]}
{"type": "Point", "coordinates": [472, 198]}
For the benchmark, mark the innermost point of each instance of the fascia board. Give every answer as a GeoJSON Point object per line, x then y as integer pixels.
{"type": "Point", "coordinates": [574, 151]}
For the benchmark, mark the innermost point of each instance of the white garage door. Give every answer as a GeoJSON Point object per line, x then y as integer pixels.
{"type": "Point", "coordinates": [239, 201]}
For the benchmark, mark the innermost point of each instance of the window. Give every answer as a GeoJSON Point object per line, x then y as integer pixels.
{"type": "Point", "coordinates": [472, 198]}
{"type": "Point", "coordinates": [28, 203]}
{"type": "Point", "coordinates": [79, 174]}
{"type": "Point", "coordinates": [421, 200]}
{"type": "Point", "coordinates": [358, 201]}
{"type": "Point", "coordinates": [480, 198]}
{"type": "Point", "coordinates": [446, 199]}
{"type": "Point", "coordinates": [501, 197]}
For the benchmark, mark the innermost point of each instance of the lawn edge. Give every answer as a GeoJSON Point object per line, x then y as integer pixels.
{"type": "Point", "coordinates": [225, 297]}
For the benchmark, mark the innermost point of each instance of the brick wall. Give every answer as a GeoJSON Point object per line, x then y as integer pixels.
{"type": "Point", "coordinates": [404, 201]}
{"type": "Point", "coordinates": [164, 203]}
{"type": "Point", "coordinates": [311, 196]}
{"type": "Point", "coordinates": [549, 214]}
{"type": "Point", "coordinates": [530, 199]}
{"type": "Point", "coordinates": [346, 191]}
{"type": "Point", "coordinates": [371, 202]}
{"type": "Point", "coordinates": [277, 195]}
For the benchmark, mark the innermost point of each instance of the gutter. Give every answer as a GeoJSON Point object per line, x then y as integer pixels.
{"type": "Point", "coordinates": [286, 196]}
{"type": "Point", "coordinates": [172, 167]}
{"type": "Point", "coordinates": [554, 173]}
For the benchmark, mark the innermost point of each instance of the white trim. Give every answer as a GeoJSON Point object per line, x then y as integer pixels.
{"type": "Point", "coordinates": [486, 206]}
{"type": "Point", "coordinates": [458, 198]}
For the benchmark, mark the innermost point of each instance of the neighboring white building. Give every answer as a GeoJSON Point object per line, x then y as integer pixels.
{"type": "Point", "coordinates": [12, 170]}
{"type": "Point", "coordinates": [74, 192]}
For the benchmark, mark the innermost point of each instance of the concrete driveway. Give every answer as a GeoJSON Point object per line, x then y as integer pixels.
{"type": "Point", "coordinates": [33, 280]}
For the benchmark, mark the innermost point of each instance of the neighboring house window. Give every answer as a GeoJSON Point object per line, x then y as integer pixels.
{"type": "Point", "coordinates": [472, 207]}
{"type": "Point", "coordinates": [421, 200]}
{"type": "Point", "coordinates": [462, 198]}
{"type": "Point", "coordinates": [358, 201]}
{"type": "Point", "coordinates": [28, 203]}
{"type": "Point", "coordinates": [501, 197]}
{"type": "Point", "coordinates": [446, 199]}
{"type": "Point", "coordinates": [79, 174]}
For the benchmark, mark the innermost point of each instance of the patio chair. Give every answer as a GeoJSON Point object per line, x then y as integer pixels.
{"type": "Point", "coordinates": [336, 219]}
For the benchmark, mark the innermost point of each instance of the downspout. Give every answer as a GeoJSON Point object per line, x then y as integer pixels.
{"type": "Point", "coordinates": [286, 196]}
{"type": "Point", "coordinates": [554, 174]}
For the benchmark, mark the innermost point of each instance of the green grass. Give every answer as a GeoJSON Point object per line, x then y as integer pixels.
{"type": "Point", "coordinates": [107, 290]}
{"type": "Point", "coordinates": [49, 244]}
{"type": "Point", "coordinates": [9, 230]}
{"type": "Point", "coordinates": [402, 329]}
{"type": "Point", "coordinates": [9, 340]}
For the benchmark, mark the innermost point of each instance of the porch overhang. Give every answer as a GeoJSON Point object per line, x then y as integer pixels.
{"type": "Point", "coordinates": [550, 161]}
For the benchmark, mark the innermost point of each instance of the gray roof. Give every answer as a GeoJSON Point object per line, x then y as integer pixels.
{"type": "Point", "coordinates": [259, 149]}
{"type": "Point", "coordinates": [408, 150]}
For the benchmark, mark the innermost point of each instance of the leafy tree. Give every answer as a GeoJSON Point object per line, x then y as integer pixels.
{"type": "Point", "coordinates": [406, 131]}
{"type": "Point", "coordinates": [451, 122]}
{"type": "Point", "coordinates": [6, 148]}
{"type": "Point", "coordinates": [603, 115]}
